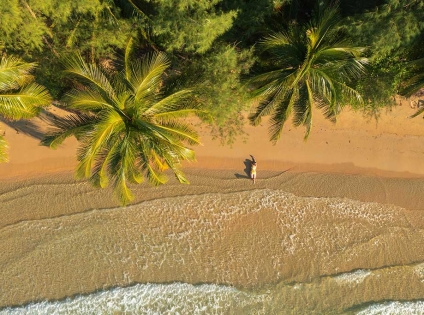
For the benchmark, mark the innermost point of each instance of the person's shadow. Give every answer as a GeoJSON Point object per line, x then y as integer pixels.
{"type": "Point", "coordinates": [247, 166]}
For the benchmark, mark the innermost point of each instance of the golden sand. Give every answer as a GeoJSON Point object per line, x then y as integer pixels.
{"type": "Point", "coordinates": [331, 223]}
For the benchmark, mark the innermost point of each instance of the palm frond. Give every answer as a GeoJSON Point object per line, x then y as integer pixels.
{"type": "Point", "coordinates": [128, 50]}
{"type": "Point", "coordinates": [263, 81]}
{"type": "Point", "coordinates": [88, 100]}
{"type": "Point", "coordinates": [322, 84]}
{"type": "Point", "coordinates": [25, 103]}
{"type": "Point", "coordinates": [172, 148]}
{"type": "Point", "coordinates": [275, 95]}
{"type": "Point", "coordinates": [418, 112]}
{"type": "Point", "coordinates": [323, 27]}
{"type": "Point", "coordinates": [338, 53]}
{"type": "Point", "coordinates": [281, 114]}
{"type": "Point", "coordinates": [147, 80]}
{"type": "Point", "coordinates": [412, 85]}
{"type": "Point", "coordinates": [14, 72]}
{"type": "Point", "coordinates": [109, 122]}
{"type": "Point", "coordinates": [92, 74]}
{"type": "Point", "coordinates": [181, 131]}
{"type": "Point", "coordinates": [171, 103]}
{"type": "Point", "coordinates": [179, 113]}
{"type": "Point", "coordinates": [351, 93]}
{"type": "Point", "coordinates": [147, 159]}
{"type": "Point", "coordinates": [414, 80]}
{"type": "Point", "coordinates": [303, 108]}
{"type": "Point", "coordinates": [72, 125]}
{"type": "Point", "coordinates": [155, 177]}
{"type": "Point", "coordinates": [100, 175]}
{"type": "Point", "coordinates": [275, 40]}
{"type": "Point", "coordinates": [346, 70]}
{"type": "Point", "coordinates": [177, 171]}
{"type": "Point", "coordinates": [3, 150]}
{"type": "Point", "coordinates": [124, 169]}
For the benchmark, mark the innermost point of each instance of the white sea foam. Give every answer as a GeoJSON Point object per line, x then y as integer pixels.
{"type": "Point", "coordinates": [357, 276]}
{"type": "Point", "coordinates": [176, 298]}
{"type": "Point", "coordinates": [419, 271]}
{"type": "Point", "coordinates": [179, 232]}
{"type": "Point", "coordinates": [394, 308]}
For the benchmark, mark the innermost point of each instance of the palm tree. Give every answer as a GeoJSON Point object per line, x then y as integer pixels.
{"type": "Point", "coordinates": [310, 66]}
{"type": "Point", "coordinates": [20, 96]}
{"type": "Point", "coordinates": [126, 127]}
{"type": "Point", "coordinates": [414, 81]}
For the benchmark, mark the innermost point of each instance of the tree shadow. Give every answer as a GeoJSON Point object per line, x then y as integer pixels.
{"type": "Point", "coordinates": [26, 127]}
{"type": "Point", "coordinates": [32, 127]}
{"type": "Point", "coordinates": [247, 166]}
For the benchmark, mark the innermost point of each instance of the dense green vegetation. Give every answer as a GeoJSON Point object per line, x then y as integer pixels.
{"type": "Point", "coordinates": [214, 49]}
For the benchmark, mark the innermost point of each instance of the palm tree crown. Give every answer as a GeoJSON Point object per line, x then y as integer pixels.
{"type": "Point", "coordinates": [126, 127]}
{"type": "Point", "coordinates": [20, 96]}
{"type": "Point", "coordinates": [309, 66]}
{"type": "Point", "coordinates": [414, 81]}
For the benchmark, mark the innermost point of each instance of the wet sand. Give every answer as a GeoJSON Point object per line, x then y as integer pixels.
{"type": "Point", "coordinates": [61, 238]}
{"type": "Point", "coordinates": [348, 199]}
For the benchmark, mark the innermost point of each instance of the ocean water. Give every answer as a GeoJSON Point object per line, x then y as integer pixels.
{"type": "Point", "coordinates": [256, 251]}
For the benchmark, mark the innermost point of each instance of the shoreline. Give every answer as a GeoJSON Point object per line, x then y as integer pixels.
{"type": "Point", "coordinates": [353, 151]}
{"type": "Point", "coordinates": [56, 230]}
{"type": "Point", "coordinates": [323, 200]}
{"type": "Point", "coordinates": [316, 181]}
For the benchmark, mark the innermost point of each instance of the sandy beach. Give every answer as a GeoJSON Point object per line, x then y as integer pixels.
{"type": "Point", "coordinates": [385, 151]}
{"type": "Point", "coordinates": [348, 199]}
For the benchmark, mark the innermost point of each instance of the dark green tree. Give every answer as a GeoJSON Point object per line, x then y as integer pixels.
{"type": "Point", "coordinates": [189, 25]}
{"type": "Point", "coordinates": [93, 27]}
{"type": "Point", "coordinates": [389, 27]}
{"type": "Point", "coordinates": [414, 81]}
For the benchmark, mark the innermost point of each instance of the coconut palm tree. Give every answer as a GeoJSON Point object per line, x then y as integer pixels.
{"type": "Point", "coordinates": [414, 81]}
{"type": "Point", "coordinates": [126, 127]}
{"type": "Point", "coordinates": [20, 96]}
{"type": "Point", "coordinates": [309, 66]}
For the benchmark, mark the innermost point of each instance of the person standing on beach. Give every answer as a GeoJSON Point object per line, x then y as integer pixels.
{"type": "Point", "coordinates": [253, 169]}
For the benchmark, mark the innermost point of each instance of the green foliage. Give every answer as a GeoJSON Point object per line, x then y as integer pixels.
{"type": "Point", "coordinates": [20, 96]}
{"type": "Point", "coordinates": [396, 24]}
{"type": "Point", "coordinates": [3, 150]}
{"type": "Point", "coordinates": [380, 84]}
{"type": "Point", "coordinates": [309, 66]}
{"type": "Point", "coordinates": [249, 22]}
{"type": "Point", "coordinates": [215, 79]}
{"type": "Point", "coordinates": [127, 128]}
{"type": "Point", "coordinates": [391, 32]}
{"type": "Point", "coordinates": [189, 25]}
{"type": "Point", "coordinates": [89, 26]}
{"type": "Point", "coordinates": [414, 79]}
